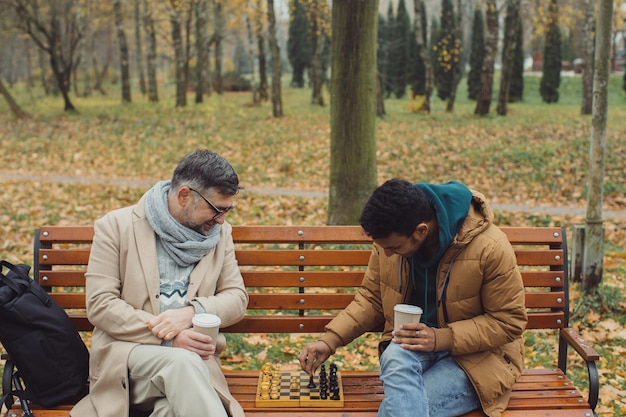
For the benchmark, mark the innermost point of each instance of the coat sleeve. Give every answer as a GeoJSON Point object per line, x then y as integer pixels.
{"type": "Point", "coordinates": [363, 314]}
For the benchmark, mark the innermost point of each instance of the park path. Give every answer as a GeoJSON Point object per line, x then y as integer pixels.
{"type": "Point", "coordinates": [550, 210]}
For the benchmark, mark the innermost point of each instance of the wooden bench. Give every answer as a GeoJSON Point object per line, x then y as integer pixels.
{"type": "Point", "coordinates": [299, 277]}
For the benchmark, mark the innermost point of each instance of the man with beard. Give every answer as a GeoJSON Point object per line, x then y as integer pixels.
{"type": "Point", "coordinates": [152, 267]}
{"type": "Point", "coordinates": [436, 247]}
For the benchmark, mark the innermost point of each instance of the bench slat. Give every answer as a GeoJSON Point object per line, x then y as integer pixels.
{"type": "Point", "coordinates": [62, 278]}
{"type": "Point", "coordinates": [299, 301]}
{"type": "Point", "coordinates": [69, 300]}
{"type": "Point", "coordinates": [546, 320]}
{"type": "Point", "coordinates": [320, 234]}
{"type": "Point", "coordinates": [553, 279]}
{"type": "Point", "coordinates": [349, 279]}
{"type": "Point", "coordinates": [554, 299]}
{"type": "Point", "coordinates": [539, 257]}
{"type": "Point", "coordinates": [296, 234]}
{"type": "Point", "coordinates": [280, 278]}
{"type": "Point", "coordinates": [302, 257]}
{"type": "Point", "coordinates": [280, 324]}
{"type": "Point", "coordinates": [533, 235]}
{"type": "Point", "coordinates": [66, 234]}
{"type": "Point", "coordinates": [63, 257]}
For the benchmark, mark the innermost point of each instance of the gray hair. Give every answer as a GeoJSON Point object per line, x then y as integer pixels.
{"type": "Point", "coordinates": [206, 170]}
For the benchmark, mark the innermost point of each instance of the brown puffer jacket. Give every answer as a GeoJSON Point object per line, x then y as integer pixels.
{"type": "Point", "coordinates": [481, 311]}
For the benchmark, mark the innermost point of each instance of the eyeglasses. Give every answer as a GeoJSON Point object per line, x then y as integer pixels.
{"type": "Point", "coordinates": [220, 212]}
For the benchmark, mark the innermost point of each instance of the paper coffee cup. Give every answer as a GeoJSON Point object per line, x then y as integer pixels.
{"type": "Point", "coordinates": [208, 324]}
{"type": "Point", "coordinates": [406, 314]}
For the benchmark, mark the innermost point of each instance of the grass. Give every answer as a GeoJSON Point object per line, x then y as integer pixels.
{"type": "Point", "coordinates": [536, 155]}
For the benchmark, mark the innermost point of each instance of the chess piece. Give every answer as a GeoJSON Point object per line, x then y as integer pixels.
{"type": "Point", "coordinates": [311, 383]}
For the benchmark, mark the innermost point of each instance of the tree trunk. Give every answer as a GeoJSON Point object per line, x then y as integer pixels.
{"type": "Point", "coordinates": [353, 109]}
{"type": "Point", "coordinates": [139, 48]}
{"type": "Point", "coordinates": [56, 34]}
{"type": "Point", "coordinates": [84, 52]}
{"type": "Point", "coordinates": [277, 100]}
{"type": "Point", "coordinates": [124, 60]}
{"type": "Point", "coordinates": [587, 57]}
{"type": "Point", "coordinates": [483, 101]}
{"type": "Point", "coordinates": [512, 16]}
{"type": "Point", "coordinates": [45, 81]}
{"type": "Point", "coordinates": [187, 45]}
{"type": "Point", "coordinates": [151, 66]}
{"type": "Point", "coordinates": [263, 95]}
{"type": "Point", "coordinates": [63, 81]}
{"type": "Point", "coordinates": [317, 75]}
{"type": "Point", "coordinates": [594, 234]}
{"type": "Point", "coordinates": [15, 108]}
{"type": "Point", "coordinates": [424, 55]}
{"type": "Point", "coordinates": [201, 45]}
{"type": "Point", "coordinates": [456, 64]}
{"type": "Point", "coordinates": [218, 35]}
{"type": "Point", "coordinates": [179, 59]}
{"type": "Point", "coordinates": [255, 89]}
{"type": "Point", "coordinates": [380, 102]}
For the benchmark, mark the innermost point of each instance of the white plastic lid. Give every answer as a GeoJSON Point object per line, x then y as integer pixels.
{"type": "Point", "coordinates": [206, 320]}
{"type": "Point", "coordinates": [408, 308]}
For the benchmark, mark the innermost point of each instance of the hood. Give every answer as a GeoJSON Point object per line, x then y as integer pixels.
{"type": "Point", "coordinates": [451, 202]}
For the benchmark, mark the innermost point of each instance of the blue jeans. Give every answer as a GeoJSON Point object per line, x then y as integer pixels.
{"type": "Point", "coordinates": [424, 384]}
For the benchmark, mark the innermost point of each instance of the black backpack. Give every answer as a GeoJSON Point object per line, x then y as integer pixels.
{"type": "Point", "coordinates": [49, 363]}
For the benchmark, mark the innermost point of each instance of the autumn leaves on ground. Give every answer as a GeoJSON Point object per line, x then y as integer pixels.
{"type": "Point", "coordinates": [58, 168]}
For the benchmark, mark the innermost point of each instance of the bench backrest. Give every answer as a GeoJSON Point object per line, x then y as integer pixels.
{"type": "Point", "coordinates": [300, 277]}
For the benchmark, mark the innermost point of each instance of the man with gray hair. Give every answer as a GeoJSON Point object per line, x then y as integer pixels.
{"type": "Point", "coordinates": [152, 267]}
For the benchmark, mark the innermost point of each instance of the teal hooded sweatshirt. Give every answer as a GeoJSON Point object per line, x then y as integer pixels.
{"type": "Point", "coordinates": [451, 203]}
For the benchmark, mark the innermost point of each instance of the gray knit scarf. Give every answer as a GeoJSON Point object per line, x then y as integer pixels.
{"type": "Point", "coordinates": [184, 245]}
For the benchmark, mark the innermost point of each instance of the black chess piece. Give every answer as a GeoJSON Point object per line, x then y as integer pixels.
{"type": "Point", "coordinates": [311, 383]}
{"type": "Point", "coordinates": [323, 375]}
{"type": "Point", "coordinates": [335, 391]}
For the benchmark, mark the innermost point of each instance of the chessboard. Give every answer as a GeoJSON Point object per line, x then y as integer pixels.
{"type": "Point", "coordinates": [294, 388]}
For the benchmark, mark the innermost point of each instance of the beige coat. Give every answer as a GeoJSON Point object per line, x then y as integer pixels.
{"type": "Point", "coordinates": [123, 293]}
{"type": "Point", "coordinates": [483, 302]}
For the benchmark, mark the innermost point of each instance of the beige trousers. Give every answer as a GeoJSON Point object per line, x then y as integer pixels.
{"type": "Point", "coordinates": [173, 382]}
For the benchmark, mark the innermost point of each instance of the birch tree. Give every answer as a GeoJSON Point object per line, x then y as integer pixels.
{"type": "Point", "coordinates": [594, 231]}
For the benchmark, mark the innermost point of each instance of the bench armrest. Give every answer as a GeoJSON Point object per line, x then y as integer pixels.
{"type": "Point", "coordinates": [590, 356]}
